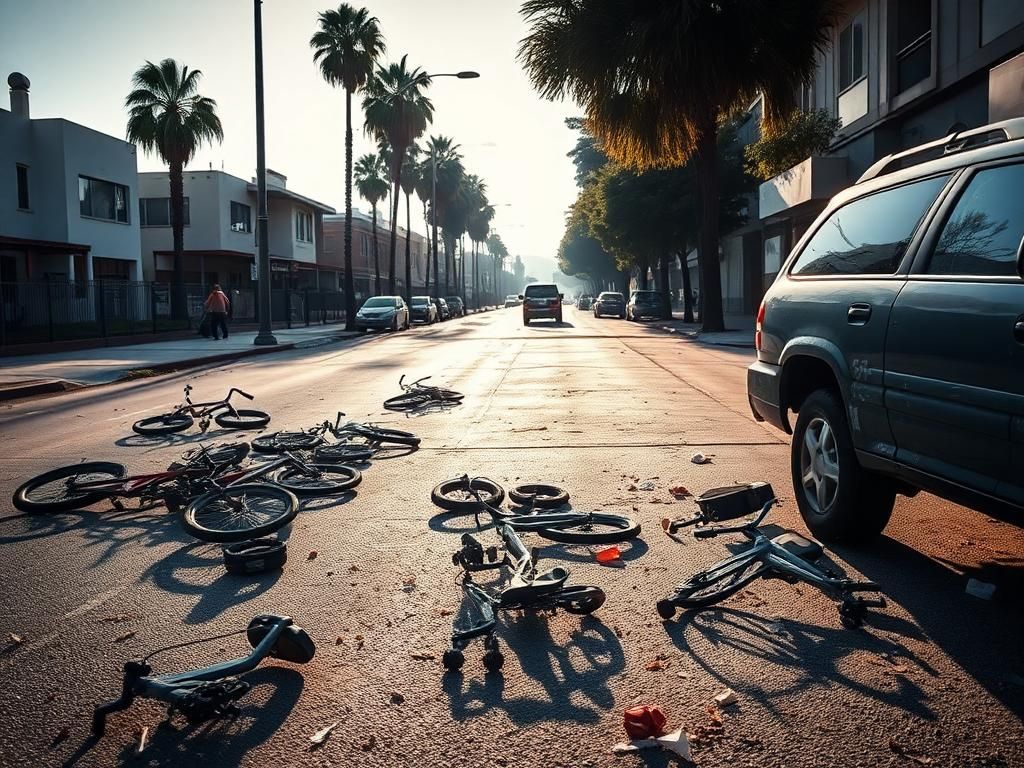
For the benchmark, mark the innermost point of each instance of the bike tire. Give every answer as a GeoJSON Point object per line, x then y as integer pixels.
{"type": "Point", "coordinates": [539, 495]}
{"type": "Point", "coordinates": [406, 401]}
{"type": "Point", "coordinates": [27, 498]}
{"type": "Point", "coordinates": [203, 515]}
{"type": "Point", "coordinates": [342, 453]}
{"type": "Point", "coordinates": [580, 600]}
{"type": "Point", "coordinates": [330, 478]}
{"type": "Point", "coordinates": [695, 593]}
{"type": "Point", "coordinates": [243, 418]}
{"type": "Point", "coordinates": [164, 424]}
{"type": "Point", "coordinates": [385, 435]}
{"type": "Point", "coordinates": [601, 528]}
{"type": "Point", "coordinates": [279, 442]}
{"type": "Point", "coordinates": [452, 496]}
{"type": "Point", "coordinates": [222, 454]}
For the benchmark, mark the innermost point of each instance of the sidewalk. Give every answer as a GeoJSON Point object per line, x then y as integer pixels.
{"type": "Point", "coordinates": [26, 375]}
{"type": "Point", "coordinates": [740, 333]}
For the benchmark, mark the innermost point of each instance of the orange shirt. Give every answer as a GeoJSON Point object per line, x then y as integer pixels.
{"type": "Point", "coordinates": [217, 302]}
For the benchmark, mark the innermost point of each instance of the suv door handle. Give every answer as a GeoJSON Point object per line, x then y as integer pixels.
{"type": "Point", "coordinates": [1018, 329]}
{"type": "Point", "coordinates": [858, 314]}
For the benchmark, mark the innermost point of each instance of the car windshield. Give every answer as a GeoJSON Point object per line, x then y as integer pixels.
{"type": "Point", "coordinates": [379, 301]}
{"type": "Point", "coordinates": [454, 299]}
{"type": "Point", "coordinates": [610, 297]}
{"type": "Point", "coordinates": [646, 297]}
{"type": "Point", "coordinates": [420, 301]}
{"type": "Point", "coordinates": [542, 292]}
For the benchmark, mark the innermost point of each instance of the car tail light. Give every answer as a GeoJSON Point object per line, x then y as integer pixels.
{"type": "Point", "coordinates": [757, 327]}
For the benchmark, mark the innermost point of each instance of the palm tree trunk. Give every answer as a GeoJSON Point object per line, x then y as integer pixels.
{"type": "Point", "coordinates": [392, 263]}
{"type": "Point", "coordinates": [350, 284]}
{"type": "Point", "coordinates": [706, 159]}
{"type": "Point", "coordinates": [376, 256]}
{"type": "Point", "coordinates": [408, 250]}
{"type": "Point", "coordinates": [426, 224]}
{"type": "Point", "coordinates": [666, 291]}
{"type": "Point", "coordinates": [437, 273]}
{"type": "Point", "coordinates": [687, 290]}
{"type": "Point", "coordinates": [476, 274]}
{"type": "Point", "coordinates": [462, 267]}
{"type": "Point", "coordinates": [179, 308]}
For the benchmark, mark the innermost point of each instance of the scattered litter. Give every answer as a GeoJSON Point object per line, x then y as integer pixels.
{"type": "Point", "coordinates": [679, 490]}
{"type": "Point", "coordinates": [320, 736]}
{"type": "Point", "coordinates": [684, 675]}
{"type": "Point", "coordinates": [369, 744]}
{"type": "Point", "coordinates": [125, 636]}
{"type": "Point", "coordinates": [676, 742]}
{"type": "Point", "coordinates": [900, 750]}
{"type": "Point", "coordinates": [608, 554]}
{"type": "Point", "coordinates": [409, 583]}
{"type": "Point", "coordinates": [980, 589]}
{"type": "Point", "coordinates": [312, 554]}
{"type": "Point", "coordinates": [646, 485]}
{"type": "Point", "coordinates": [422, 656]}
{"type": "Point", "coordinates": [726, 697]}
{"type": "Point", "coordinates": [62, 735]}
{"type": "Point", "coordinates": [712, 732]}
{"type": "Point", "coordinates": [143, 740]}
{"type": "Point", "coordinates": [397, 698]}
{"type": "Point", "coordinates": [700, 458]}
{"type": "Point", "coordinates": [659, 663]}
{"type": "Point", "coordinates": [644, 721]}
{"type": "Point", "coordinates": [359, 642]}
{"type": "Point", "coordinates": [631, 487]}
{"type": "Point", "coordinates": [14, 640]}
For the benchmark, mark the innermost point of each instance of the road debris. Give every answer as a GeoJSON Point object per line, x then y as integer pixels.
{"type": "Point", "coordinates": [680, 491]}
{"type": "Point", "coordinates": [143, 740]}
{"type": "Point", "coordinates": [900, 750]}
{"type": "Point", "coordinates": [711, 732]}
{"type": "Point", "coordinates": [125, 636]}
{"type": "Point", "coordinates": [607, 555]}
{"type": "Point", "coordinates": [422, 656]}
{"type": "Point", "coordinates": [312, 554]}
{"type": "Point", "coordinates": [646, 485]}
{"type": "Point", "coordinates": [321, 736]}
{"type": "Point", "coordinates": [359, 642]}
{"type": "Point", "coordinates": [397, 698]}
{"type": "Point", "coordinates": [726, 697]}
{"type": "Point", "coordinates": [645, 726]}
{"type": "Point", "coordinates": [15, 641]}
{"type": "Point", "coordinates": [700, 458]}
{"type": "Point", "coordinates": [409, 583]}
{"type": "Point", "coordinates": [980, 589]}
{"type": "Point", "coordinates": [660, 662]}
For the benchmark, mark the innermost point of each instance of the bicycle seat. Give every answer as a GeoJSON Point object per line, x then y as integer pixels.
{"type": "Point", "coordinates": [734, 501]}
{"type": "Point", "coordinates": [797, 545]}
{"type": "Point", "coordinates": [543, 583]}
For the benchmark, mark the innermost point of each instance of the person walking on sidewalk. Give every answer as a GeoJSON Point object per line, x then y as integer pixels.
{"type": "Point", "coordinates": [217, 305]}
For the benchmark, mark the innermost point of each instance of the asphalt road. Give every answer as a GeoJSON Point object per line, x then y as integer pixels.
{"type": "Point", "coordinates": [594, 405]}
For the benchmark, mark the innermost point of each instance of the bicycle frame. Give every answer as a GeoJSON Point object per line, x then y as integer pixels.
{"type": "Point", "coordinates": [202, 410]}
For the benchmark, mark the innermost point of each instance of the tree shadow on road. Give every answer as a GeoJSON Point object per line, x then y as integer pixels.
{"type": "Point", "coordinates": [565, 673]}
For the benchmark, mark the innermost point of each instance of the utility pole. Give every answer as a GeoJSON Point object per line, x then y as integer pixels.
{"type": "Point", "coordinates": [265, 337]}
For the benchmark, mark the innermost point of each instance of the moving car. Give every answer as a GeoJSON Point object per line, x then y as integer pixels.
{"type": "Point", "coordinates": [643, 304]}
{"type": "Point", "coordinates": [455, 305]}
{"type": "Point", "coordinates": [610, 303]}
{"type": "Point", "coordinates": [895, 331]}
{"type": "Point", "coordinates": [511, 301]}
{"type": "Point", "coordinates": [584, 301]}
{"type": "Point", "coordinates": [541, 301]}
{"type": "Point", "coordinates": [444, 312]}
{"type": "Point", "coordinates": [422, 310]}
{"type": "Point", "coordinates": [383, 312]}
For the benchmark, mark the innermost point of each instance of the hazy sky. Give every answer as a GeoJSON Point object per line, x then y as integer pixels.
{"type": "Point", "coordinates": [80, 54]}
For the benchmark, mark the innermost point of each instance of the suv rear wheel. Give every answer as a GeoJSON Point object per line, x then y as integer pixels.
{"type": "Point", "coordinates": [839, 501]}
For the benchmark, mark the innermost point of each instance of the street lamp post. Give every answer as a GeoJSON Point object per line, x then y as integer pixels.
{"type": "Point", "coordinates": [265, 337]}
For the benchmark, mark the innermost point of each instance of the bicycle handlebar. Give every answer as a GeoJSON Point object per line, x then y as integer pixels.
{"type": "Point", "coordinates": [243, 394]}
{"type": "Point", "coordinates": [712, 531]}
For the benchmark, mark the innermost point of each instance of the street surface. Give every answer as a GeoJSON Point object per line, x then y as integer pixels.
{"type": "Point", "coordinates": [592, 405]}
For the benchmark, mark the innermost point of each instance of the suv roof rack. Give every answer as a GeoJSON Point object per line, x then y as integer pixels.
{"type": "Point", "coordinates": [958, 141]}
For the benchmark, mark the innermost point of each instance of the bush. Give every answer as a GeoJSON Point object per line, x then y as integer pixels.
{"type": "Point", "coordinates": [801, 135]}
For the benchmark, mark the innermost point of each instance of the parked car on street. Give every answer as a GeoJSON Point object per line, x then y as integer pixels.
{"type": "Point", "coordinates": [455, 306]}
{"type": "Point", "coordinates": [511, 301]}
{"type": "Point", "coordinates": [584, 301]}
{"type": "Point", "coordinates": [382, 312]}
{"type": "Point", "coordinates": [895, 331]}
{"type": "Point", "coordinates": [541, 301]}
{"type": "Point", "coordinates": [444, 312]}
{"type": "Point", "coordinates": [610, 303]}
{"type": "Point", "coordinates": [643, 304]}
{"type": "Point", "coordinates": [422, 310]}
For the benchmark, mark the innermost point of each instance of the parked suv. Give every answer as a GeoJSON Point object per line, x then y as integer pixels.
{"type": "Point", "coordinates": [895, 331]}
{"type": "Point", "coordinates": [541, 301]}
{"type": "Point", "coordinates": [644, 304]}
{"type": "Point", "coordinates": [610, 303]}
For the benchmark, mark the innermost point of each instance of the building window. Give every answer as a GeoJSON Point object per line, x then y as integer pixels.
{"type": "Point", "coordinates": [100, 199]}
{"type": "Point", "coordinates": [156, 212]}
{"type": "Point", "coordinates": [851, 53]}
{"type": "Point", "coordinates": [241, 217]}
{"type": "Point", "coordinates": [997, 17]}
{"type": "Point", "coordinates": [304, 227]}
{"type": "Point", "coordinates": [23, 202]}
{"type": "Point", "coordinates": [913, 42]}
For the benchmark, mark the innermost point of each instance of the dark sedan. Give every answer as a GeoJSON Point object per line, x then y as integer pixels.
{"type": "Point", "coordinates": [444, 312]}
{"type": "Point", "coordinates": [455, 306]}
{"type": "Point", "coordinates": [610, 303]}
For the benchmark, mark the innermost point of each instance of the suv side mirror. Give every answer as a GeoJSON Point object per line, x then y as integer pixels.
{"type": "Point", "coordinates": [1020, 258]}
{"type": "Point", "coordinates": [561, 295]}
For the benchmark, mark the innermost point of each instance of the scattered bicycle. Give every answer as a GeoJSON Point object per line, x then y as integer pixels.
{"type": "Point", "coordinates": [788, 556]}
{"type": "Point", "coordinates": [353, 441]}
{"type": "Point", "coordinates": [418, 395]}
{"type": "Point", "coordinates": [478, 494]}
{"type": "Point", "coordinates": [184, 416]}
{"type": "Point", "coordinates": [210, 692]}
{"type": "Point", "coordinates": [527, 589]}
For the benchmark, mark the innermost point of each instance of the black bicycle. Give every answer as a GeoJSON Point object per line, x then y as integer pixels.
{"type": "Point", "coordinates": [418, 395]}
{"type": "Point", "coordinates": [211, 692]}
{"type": "Point", "coordinates": [352, 441]}
{"type": "Point", "coordinates": [538, 513]}
{"type": "Point", "coordinates": [527, 590]}
{"type": "Point", "coordinates": [788, 556]}
{"type": "Point", "coordinates": [185, 415]}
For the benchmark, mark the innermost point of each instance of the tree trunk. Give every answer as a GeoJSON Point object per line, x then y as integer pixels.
{"type": "Point", "coordinates": [179, 303]}
{"type": "Point", "coordinates": [476, 274]}
{"type": "Point", "coordinates": [426, 225]}
{"type": "Point", "coordinates": [624, 276]}
{"type": "Point", "coordinates": [711, 315]}
{"type": "Point", "coordinates": [350, 283]}
{"type": "Point", "coordinates": [376, 256]}
{"type": "Point", "coordinates": [408, 251]}
{"type": "Point", "coordinates": [687, 290]}
{"type": "Point", "coordinates": [392, 261]}
{"type": "Point", "coordinates": [642, 278]}
{"type": "Point", "coordinates": [462, 268]}
{"type": "Point", "coordinates": [666, 289]}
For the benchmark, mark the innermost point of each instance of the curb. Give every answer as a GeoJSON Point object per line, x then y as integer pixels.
{"type": "Point", "coordinates": [695, 336]}
{"type": "Point", "coordinates": [34, 388]}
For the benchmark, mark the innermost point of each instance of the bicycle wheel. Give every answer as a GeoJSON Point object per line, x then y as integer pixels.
{"type": "Point", "coordinates": [242, 418]}
{"type": "Point", "coordinates": [406, 401]}
{"type": "Point", "coordinates": [240, 512]}
{"type": "Point", "coordinates": [707, 588]}
{"type": "Point", "coordinates": [384, 435]}
{"type": "Point", "coordinates": [51, 491]}
{"type": "Point", "coordinates": [597, 528]}
{"type": "Point", "coordinates": [223, 453]}
{"type": "Point", "coordinates": [279, 442]}
{"type": "Point", "coordinates": [164, 424]}
{"type": "Point", "coordinates": [324, 480]}
{"type": "Point", "coordinates": [539, 495]}
{"type": "Point", "coordinates": [580, 600]}
{"type": "Point", "coordinates": [453, 495]}
{"type": "Point", "coordinates": [341, 453]}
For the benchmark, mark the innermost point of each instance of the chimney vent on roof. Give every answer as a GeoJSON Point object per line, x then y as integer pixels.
{"type": "Point", "coordinates": [19, 93]}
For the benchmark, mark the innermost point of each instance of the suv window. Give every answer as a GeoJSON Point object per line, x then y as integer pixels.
{"type": "Point", "coordinates": [869, 236]}
{"type": "Point", "coordinates": [541, 292]}
{"type": "Point", "coordinates": [982, 234]}
{"type": "Point", "coordinates": [646, 297]}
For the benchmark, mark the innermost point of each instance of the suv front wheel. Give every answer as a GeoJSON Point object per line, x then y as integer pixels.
{"type": "Point", "coordinates": [838, 499]}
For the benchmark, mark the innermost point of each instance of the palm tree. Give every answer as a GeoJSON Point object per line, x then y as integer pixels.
{"type": "Point", "coordinates": [478, 226]}
{"type": "Point", "coordinates": [447, 168]}
{"type": "Point", "coordinates": [424, 190]}
{"type": "Point", "coordinates": [410, 178]}
{"type": "Point", "coordinates": [397, 112]}
{"type": "Point", "coordinates": [347, 46]}
{"type": "Point", "coordinates": [167, 115]}
{"type": "Point", "coordinates": [496, 247]}
{"type": "Point", "coordinates": [656, 79]}
{"type": "Point", "coordinates": [372, 185]}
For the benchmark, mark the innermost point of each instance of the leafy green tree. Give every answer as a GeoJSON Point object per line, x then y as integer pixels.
{"type": "Point", "coordinates": [397, 112]}
{"type": "Point", "coordinates": [657, 79]}
{"type": "Point", "coordinates": [346, 46]}
{"type": "Point", "coordinates": [372, 184]}
{"type": "Point", "coordinates": [167, 115]}
{"type": "Point", "coordinates": [793, 140]}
